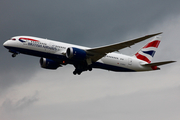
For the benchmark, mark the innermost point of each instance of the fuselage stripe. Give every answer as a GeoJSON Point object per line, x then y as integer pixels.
{"type": "Point", "coordinates": [28, 39]}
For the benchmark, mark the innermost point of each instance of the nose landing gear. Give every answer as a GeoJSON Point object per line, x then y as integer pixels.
{"type": "Point", "coordinates": [14, 52]}
{"type": "Point", "coordinates": [14, 55]}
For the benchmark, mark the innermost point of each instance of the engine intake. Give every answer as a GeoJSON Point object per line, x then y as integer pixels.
{"type": "Point", "coordinates": [49, 64]}
{"type": "Point", "coordinates": [76, 54]}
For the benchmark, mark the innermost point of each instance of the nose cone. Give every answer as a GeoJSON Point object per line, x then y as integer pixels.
{"type": "Point", "coordinates": [6, 44]}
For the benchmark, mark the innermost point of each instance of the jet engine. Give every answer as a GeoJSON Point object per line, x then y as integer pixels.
{"type": "Point", "coordinates": [76, 54]}
{"type": "Point", "coordinates": [49, 64]}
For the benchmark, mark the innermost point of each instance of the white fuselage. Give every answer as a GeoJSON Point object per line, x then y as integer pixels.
{"type": "Point", "coordinates": [40, 47]}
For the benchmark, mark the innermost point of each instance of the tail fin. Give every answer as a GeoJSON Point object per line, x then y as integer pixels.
{"type": "Point", "coordinates": [147, 52]}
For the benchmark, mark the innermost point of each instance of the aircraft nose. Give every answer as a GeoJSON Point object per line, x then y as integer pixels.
{"type": "Point", "coordinates": [6, 44]}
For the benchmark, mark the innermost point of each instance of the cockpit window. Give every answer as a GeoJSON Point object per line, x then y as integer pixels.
{"type": "Point", "coordinates": [13, 39]}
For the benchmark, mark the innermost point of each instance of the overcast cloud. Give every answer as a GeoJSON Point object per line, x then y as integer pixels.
{"type": "Point", "coordinates": [32, 93]}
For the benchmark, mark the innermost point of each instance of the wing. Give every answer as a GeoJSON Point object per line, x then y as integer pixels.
{"type": "Point", "coordinates": [99, 52]}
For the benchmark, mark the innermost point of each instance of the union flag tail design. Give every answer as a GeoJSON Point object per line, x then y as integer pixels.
{"type": "Point", "coordinates": [147, 52]}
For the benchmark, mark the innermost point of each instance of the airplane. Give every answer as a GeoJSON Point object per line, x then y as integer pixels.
{"type": "Point", "coordinates": [54, 54]}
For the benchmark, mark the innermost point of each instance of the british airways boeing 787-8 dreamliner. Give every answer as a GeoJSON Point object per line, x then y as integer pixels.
{"type": "Point", "coordinates": [55, 54]}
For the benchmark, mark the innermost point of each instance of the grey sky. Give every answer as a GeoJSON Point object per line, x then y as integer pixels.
{"type": "Point", "coordinates": [27, 91]}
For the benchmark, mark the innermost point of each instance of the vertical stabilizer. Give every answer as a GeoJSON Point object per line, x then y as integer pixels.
{"type": "Point", "coordinates": [147, 52]}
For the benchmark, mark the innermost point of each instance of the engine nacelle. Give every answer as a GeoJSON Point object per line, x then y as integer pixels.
{"type": "Point", "coordinates": [76, 54]}
{"type": "Point", "coordinates": [48, 63]}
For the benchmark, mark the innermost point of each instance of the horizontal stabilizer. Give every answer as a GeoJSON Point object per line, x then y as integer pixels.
{"type": "Point", "coordinates": [157, 63]}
